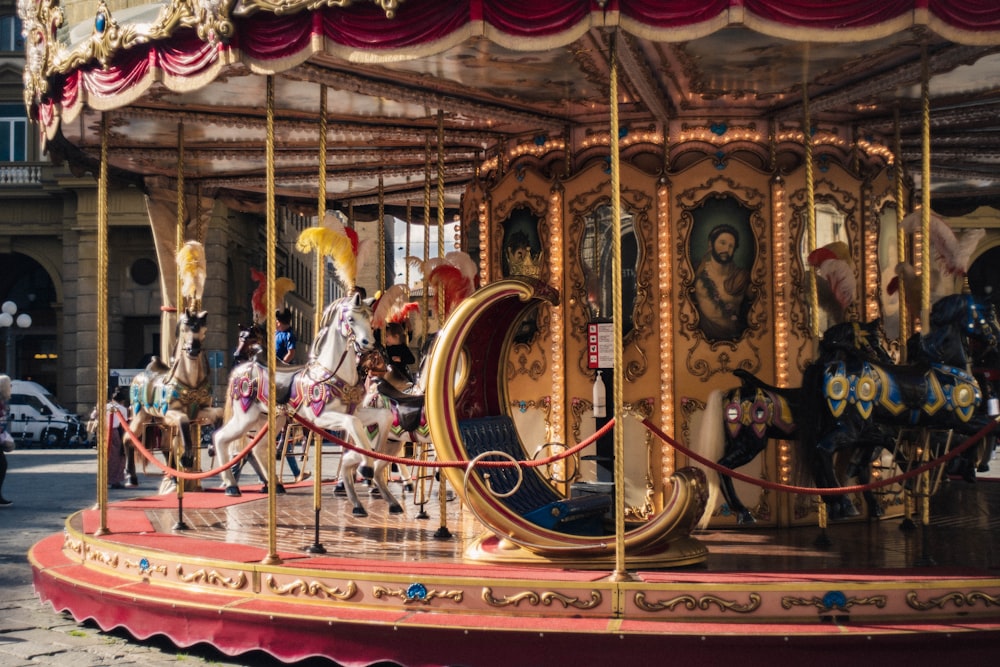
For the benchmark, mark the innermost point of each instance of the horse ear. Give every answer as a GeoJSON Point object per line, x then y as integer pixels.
{"type": "Point", "coordinates": [357, 300]}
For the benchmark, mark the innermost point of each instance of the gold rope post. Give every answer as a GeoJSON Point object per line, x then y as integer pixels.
{"type": "Point", "coordinates": [179, 299]}
{"type": "Point", "coordinates": [616, 289]}
{"type": "Point", "coordinates": [381, 235]}
{"type": "Point", "coordinates": [406, 264]}
{"type": "Point", "coordinates": [442, 531]}
{"type": "Point", "coordinates": [425, 306]}
{"type": "Point", "coordinates": [810, 195]}
{"type": "Point", "coordinates": [904, 323]}
{"type": "Point", "coordinates": [272, 557]}
{"type": "Point", "coordinates": [102, 331]}
{"type": "Point", "coordinates": [925, 192]}
{"type": "Point", "coordinates": [313, 438]}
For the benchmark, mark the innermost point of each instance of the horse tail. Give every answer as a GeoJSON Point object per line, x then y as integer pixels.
{"type": "Point", "coordinates": [710, 442]}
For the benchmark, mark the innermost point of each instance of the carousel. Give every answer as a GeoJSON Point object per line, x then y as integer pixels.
{"type": "Point", "coordinates": [692, 237]}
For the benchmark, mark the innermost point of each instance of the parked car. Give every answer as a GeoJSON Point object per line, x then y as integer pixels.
{"type": "Point", "coordinates": [37, 417]}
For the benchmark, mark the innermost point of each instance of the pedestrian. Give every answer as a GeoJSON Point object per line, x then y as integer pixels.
{"type": "Point", "coordinates": [284, 337]}
{"type": "Point", "coordinates": [116, 445]}
{"type": "Point", "coordinates": [6, 440]}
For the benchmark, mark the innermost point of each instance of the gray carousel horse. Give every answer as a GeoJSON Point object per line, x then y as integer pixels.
{"type": "Point", "coordinates": [180, 394]}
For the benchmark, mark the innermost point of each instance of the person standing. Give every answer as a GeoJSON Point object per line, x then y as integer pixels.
{"type": "Point", "coordinates": [116, 446]}
{"type": "Point", "coordinates": [6, 440]}
{"type": "Point", "coordinates": [284, 339]}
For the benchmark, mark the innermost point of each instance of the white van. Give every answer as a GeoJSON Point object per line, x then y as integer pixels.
{"type": "Point", "coordinates": [36, 416]}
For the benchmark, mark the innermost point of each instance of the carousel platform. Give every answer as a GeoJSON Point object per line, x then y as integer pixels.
{"type": "Point", "coordinates": [397, 589]}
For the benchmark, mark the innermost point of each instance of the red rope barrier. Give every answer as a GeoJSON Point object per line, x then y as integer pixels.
{"type": "Point", "coordinates": [183, 474]}
{"type": "Point", "coordinates": [456, 464]}
{"type": "Point", "coordinates": [812, 490]}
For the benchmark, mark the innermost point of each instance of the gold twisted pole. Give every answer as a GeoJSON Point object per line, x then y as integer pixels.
{"type": "Point", "coordinates": [904, 322]}
{"type": "Point", "coordinates": [272, 362]}
{"type": "Point", "coordinates": [102, 331]}
{"type": "Point", "coordinates": [619, 353]}
{"type": "Point", "coordinates": [425, 316]}
{"type": "Point", "coordinates": [381, 233]}
{"type": "Point", "coordinates": [810, 196]}
{"type": "Point", "coordinates": [320, 301]}
{"type": "Point", "coordinates": [925, 192]}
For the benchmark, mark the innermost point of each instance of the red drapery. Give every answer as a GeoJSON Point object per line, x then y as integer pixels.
{"type": "Point", "coordinates": [423, 26]}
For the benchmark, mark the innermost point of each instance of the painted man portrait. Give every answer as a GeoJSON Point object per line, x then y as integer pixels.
{"type": "Point", "coordinates": [720, 286]}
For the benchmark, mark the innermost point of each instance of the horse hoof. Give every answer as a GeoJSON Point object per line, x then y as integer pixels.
{"type": "Point", "coordinates": [374, 491]}
{"type": "Point", "coordinates": [395, 509]}
{"type": "Point", "coordinates": [367, 472]}
{"type": "Point", "coordinates": [233, 491]}
{"type": "Point", "coordinates": [359, 511]}
{"type": "Point", "coordinates": [211, 452]}
{"type": "Point", "coordinates": [187, 461]}
{"type": "Point", "coordinates": [339, 490]}
{"type": "Point", "coordinates": [279, 489]}
{"type": "Point", "coordinates": [745, 519]}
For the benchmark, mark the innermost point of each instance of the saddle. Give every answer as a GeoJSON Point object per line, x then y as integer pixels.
{"type": "Point", "coordinates": [409, 407]}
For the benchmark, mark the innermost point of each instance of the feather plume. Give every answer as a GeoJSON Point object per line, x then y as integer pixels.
{"type": "Point", "coordinates": [259, 299]}
{"type": "Point", "coordinates": [191, 264]}
{"type": "Point", "coordinates": [944, 243]}
{"type": "Point", "coordinates": [391, 301]}
{"type": "Point", "coordinates": [837, 285]}
{"type": "Point", "coordinates": [282, 286]}
{"type": "Point", "coordinates": [463, 263]}
{"type": "Point", "coordinates": [403, 314]}
{"type": "Point", "coordinates": [448, 281]}
{"type": "Point", "coordinates": [332, 239]}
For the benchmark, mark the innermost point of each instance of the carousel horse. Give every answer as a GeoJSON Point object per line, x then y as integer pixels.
{"type": "Point", "coordinates": [181, 393]}
{"type": "Point", "coordinates": [325, 393]}
{"type": "Point", "coordinates": [854, 400]}
{"type": "Point", "coordinates": [737, 424]}
{"type": "Point", "coordinates": [390, 389]}
{"type": "Point", "coordinates": [250, 342]}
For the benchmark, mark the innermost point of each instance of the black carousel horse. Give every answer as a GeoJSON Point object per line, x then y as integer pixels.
{"type": "Point", "coordinates": [737, 424]}
{"type": "Point", "coordinates": [854, 400]}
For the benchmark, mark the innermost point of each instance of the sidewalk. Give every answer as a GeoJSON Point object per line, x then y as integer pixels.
{"type": "Point", "coordinates": [46, 486]}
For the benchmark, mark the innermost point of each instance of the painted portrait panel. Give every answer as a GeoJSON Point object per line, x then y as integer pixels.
{"type": "Point", "coordinates": [722, 251]}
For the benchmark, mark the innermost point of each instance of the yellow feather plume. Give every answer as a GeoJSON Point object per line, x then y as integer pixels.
{"type": "Point", "coordinates": [191, 266]}
{"type": "Point", "coordinates": [335, 245]}
{"type": "Point", "coordinates": [282, 286]}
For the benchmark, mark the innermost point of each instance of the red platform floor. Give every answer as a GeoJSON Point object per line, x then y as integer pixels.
{"type": "Point", "coordinates": [389, 589]}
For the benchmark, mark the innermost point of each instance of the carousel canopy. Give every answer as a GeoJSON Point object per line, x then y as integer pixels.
{"type": "Point", "coordinates": [487, 76]}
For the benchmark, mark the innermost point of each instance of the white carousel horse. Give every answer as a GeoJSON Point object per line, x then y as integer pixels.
{"type": "Point", "coordinates": [181, 393]}
{"type": "Point", "coordinates": [324, 393]}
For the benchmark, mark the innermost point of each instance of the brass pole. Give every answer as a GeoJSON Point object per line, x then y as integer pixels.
{"type": "Point", "coordinates": [102, 331]}
{"type": "Point", "coordinates": [810, 195]}
{"type": "Point", "coordinates": [272, 362]}
{"type": "Point", "coordinates": [925, 193]}
{"type": "Point", "coordinates": [904, 315]}
{"type": "Point", "coordinates": [320, 296]}
{"type": "Point", "coordinates": [618, 393]}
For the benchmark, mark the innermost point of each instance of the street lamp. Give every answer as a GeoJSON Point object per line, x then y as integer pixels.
{"type": "Point", "coordinates": [7, 320]}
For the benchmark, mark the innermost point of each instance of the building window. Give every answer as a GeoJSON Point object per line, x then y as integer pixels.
{"type": "Point", "coordinates": [10, 34]}
{"type": "Point", "coordinates": [13, 133]}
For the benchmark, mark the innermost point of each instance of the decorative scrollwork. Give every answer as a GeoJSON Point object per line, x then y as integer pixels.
{"type": "Point", "coordinates": [417, 593]}
{"type": "Point", "coordinates": [956, 598]}
{"type": "Point", "coordinates": [691, 603]}
{"type": "Point", "coordinates": [104, 558]}
{"type": "Point", "coordinates": [146, 567]}
{"type": "Point", "coordinates": [312, 589]}
{"type": "Point", "coordinates": [212, 577]}
{"type": "Point", "coordinates": [294, 6]}
{"type": "Point", "coordinates": [546, 599]}
{"type": "Point", "coordinates": [833, 600]}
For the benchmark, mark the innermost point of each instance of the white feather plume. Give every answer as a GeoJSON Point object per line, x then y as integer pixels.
{"type": "Point", "coordinates": [945, 248]}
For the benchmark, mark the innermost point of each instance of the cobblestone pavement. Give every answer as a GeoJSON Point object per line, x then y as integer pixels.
{"type": "Point", "coordinates": [46, 486]}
